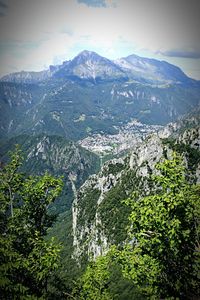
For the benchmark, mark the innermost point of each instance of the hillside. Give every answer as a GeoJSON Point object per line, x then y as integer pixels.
{"type": "Point", "coordinates": [99, 216]}
{"type": "Point", "coordinates": [57, 156]}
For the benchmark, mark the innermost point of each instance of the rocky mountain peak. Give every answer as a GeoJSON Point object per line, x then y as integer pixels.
{"type": "Point", "coordinates": [90, 56]}
{"type": "Point", "coordinates": [90, 65]}
{"type": "Point", "coordinates": [151, 70]}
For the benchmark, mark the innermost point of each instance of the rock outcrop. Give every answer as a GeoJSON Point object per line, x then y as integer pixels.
{"type": "Point", "coordinates": [99, 216]}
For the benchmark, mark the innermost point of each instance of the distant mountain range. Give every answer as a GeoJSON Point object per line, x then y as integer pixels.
{"type": "Point", "coordinates": [91, 66]}
{"type": "Point", "coordinates": [92, 94]}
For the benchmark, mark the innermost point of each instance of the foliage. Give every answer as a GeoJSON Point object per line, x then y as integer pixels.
{"type": "Point", "coordinates": [162, 254]}
{"type": "Point", "coordinates": [68, 270]}
{"type": "Point", "coordinates": [87, 206]}
{"type": "Point", "coordinates": [94, 282]}
{"type": "Point", "coordinates": [103, 280]}
{"type": "Point", "coordinates": [120, 287]}
{"type": "Point", "coordinates": [160, 257]}
{"type": "Point", "coordinates": [27, 261]}
{"type": "Point", "coordinates": [113, 220]}
{"type": "Point", "coordinates": [113, 168]}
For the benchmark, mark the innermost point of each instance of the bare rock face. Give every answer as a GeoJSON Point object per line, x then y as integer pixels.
{"type": "Point", "coordinates": [148, 154]}
{"type": "Point", "coordinates": [99, 216]}
{"type": "Point", "coordinates": [88, 233]}
{"type": "Point", "coordinates": [91, 231]}
{"type": "Point", "coordinates": [191, 137]}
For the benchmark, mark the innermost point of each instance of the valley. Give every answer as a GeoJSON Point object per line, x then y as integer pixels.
{"type": "Point", "coordinates": [103, 127]}
{"type": "Point", "coordinates": [127, 138]}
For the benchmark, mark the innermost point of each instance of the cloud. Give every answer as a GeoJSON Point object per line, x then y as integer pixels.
{"type": "Point", "coordinates": [32, 56]}
{"type": "Point", "coordinates": [169, 24]}
{"type": "Point", "coordinates": [181, 53]}
{"type": "Point", "coordinates": [93, 3]}
{"type": "Point", "coordinates": [99, 3]}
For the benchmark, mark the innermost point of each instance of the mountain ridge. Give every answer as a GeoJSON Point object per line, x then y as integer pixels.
{"type": "Point", "coordinates": [91, 94]}
{"type": "Point", "coordinates": [57, 156]}
{"type": "Point", "coordinates": [90, 65]}
{"type": "Point", "coordinates": [100, 217]}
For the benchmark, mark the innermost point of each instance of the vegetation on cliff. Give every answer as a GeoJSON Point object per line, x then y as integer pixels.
{"type": "Point", "coordinates": [161, 254]}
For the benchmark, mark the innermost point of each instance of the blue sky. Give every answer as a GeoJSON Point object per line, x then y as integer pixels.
{"type": "Point", "coordinates": [37, 33]}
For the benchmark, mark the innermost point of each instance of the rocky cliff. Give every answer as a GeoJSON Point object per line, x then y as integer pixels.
{"type": "Point", "coordinates": [100, 217]}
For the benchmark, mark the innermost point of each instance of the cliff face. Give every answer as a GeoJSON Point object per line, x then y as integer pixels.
{"type": "Point", "coordinates": [88, 230]}
{"type": "Point", "coordinates": [99, 216]}
{"type": "Point", "coordinates": [190, 138]}
{"type": "Point", "coordinates": [57, 156]}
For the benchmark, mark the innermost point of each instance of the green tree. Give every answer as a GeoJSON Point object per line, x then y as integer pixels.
{"type": "Point", "coordinates": [27, 261]}
{"type": "Point", "coordinates": [94, 282]}
{"type": "Point", "coordinates": [103, 280]}
{"type": "Point", "coordinates": [162, 255]}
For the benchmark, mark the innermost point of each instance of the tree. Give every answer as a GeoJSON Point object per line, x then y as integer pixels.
{"type": "Point", "coordinates": [162, 255]}
{"type": "Point", "coordinates": [94, 282]}
{"type": "Point", "coordinates": [26, 259]}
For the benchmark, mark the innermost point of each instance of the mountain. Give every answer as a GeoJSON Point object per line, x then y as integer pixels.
{"type": "Point", "coordinates": [48, 112]}
{"type": "Point", "coordinates": [91, 94]}
{"type": "Point", "coordinates": [75, 111]}
{"type": "Point", "coordinates": [52, 112]}
{"type": "Point", "coordinates": [88, 65]}
{"type": "Point", "coordinates": [27, 77]}
{"type": "Point", "coordinates": [57, 156]}
{"type": "Point", "coordinates": [152, 70]}
{"type": "Point", "coordinates": [100, 217]}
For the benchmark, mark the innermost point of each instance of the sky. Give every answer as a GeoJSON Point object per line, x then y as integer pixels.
{"type": "Point", "coordinates": [37, 33]}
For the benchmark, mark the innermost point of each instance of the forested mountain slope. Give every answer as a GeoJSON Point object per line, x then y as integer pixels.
{"type": "Point", "coordinates": [100, 217]}
{"type": "Point", "coordinates": [57, 156]}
